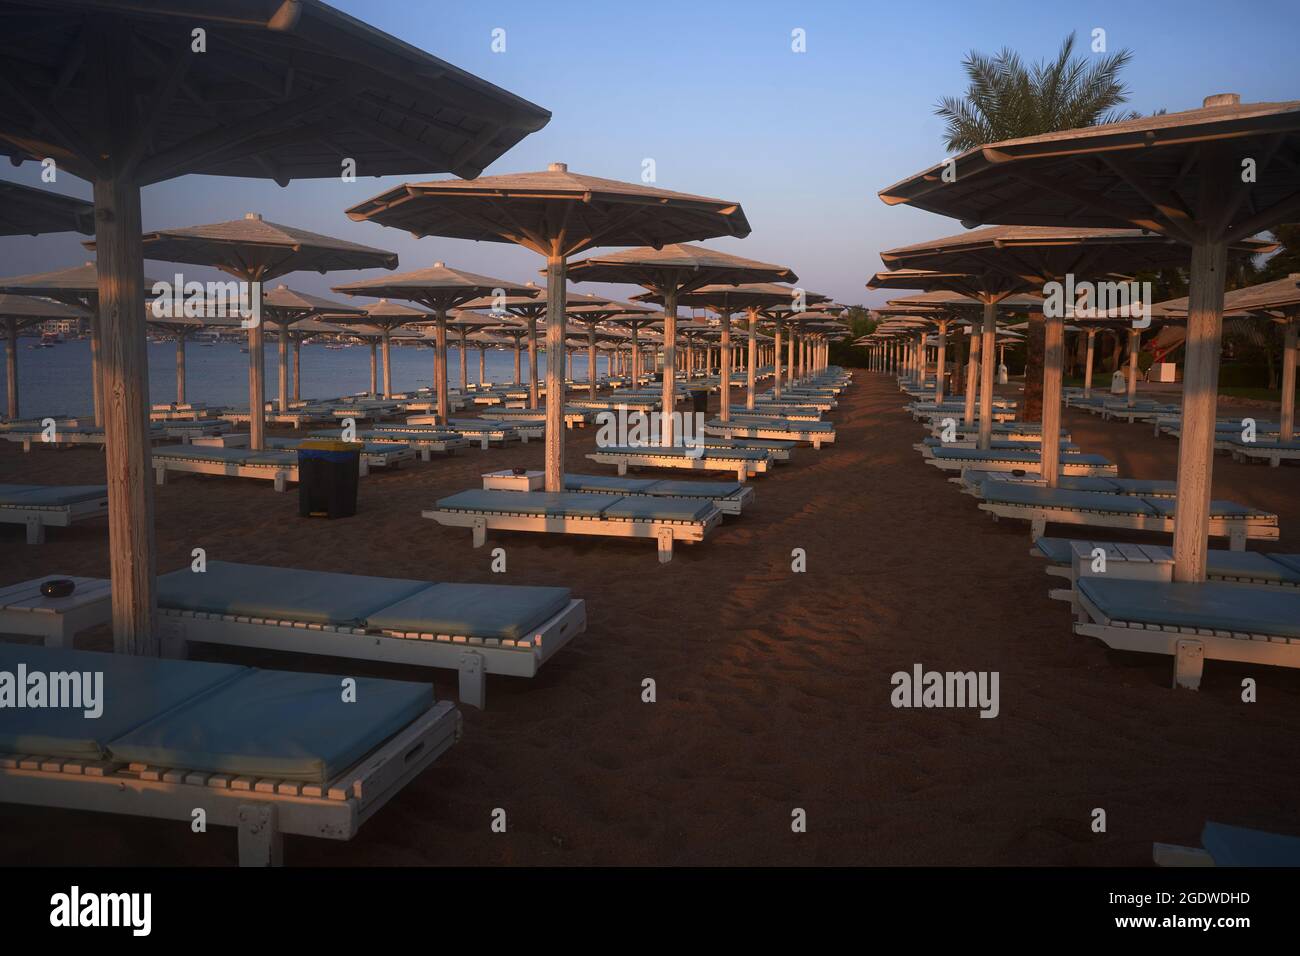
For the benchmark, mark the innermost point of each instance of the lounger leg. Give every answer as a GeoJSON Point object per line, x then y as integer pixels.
{"type": "Point", "coordinates": [425, 454]}
{"type": "Point", "coordinates": [160, 474]}
{"type": "Point", "coordinates": [260, 843]}
{"type": "Point", "coordinates": [473, 682]}
{"type": "Point", "coordinates": [281, 481]}
{"type": "Point", "coordinates": [665, 537]}
{"type": "Point", "coordinates": [1189, 660]}
{"type": "Point", "coordinates": [363, 467]}
{"type": "Point", "coordinates": [1237, 539]}
{"type": "Point", "coordinates": [480, 532]}
{"type": "Point", "coordinates": [742, 473]}
{"type": "Point", "coordinates": [483, 444]}
{"type": "Point", "coordinates": [1037, 528]}
{"type": "Point", "coordinates": [35, 530]}
{"type": "Point", "coordinates": [622, 468]}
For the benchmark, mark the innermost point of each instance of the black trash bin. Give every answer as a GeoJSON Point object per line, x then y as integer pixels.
{"type": "Point", "coordinates": [700, 401]}
{"type": "Point", "coordinates": [327, 478]}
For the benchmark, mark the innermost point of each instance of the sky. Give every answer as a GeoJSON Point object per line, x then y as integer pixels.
{"type": "Point", "coordinates": [713, 93]}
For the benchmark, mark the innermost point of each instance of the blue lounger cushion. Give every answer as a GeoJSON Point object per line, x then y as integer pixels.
{"type": "Point", "coordinates": [1218, 605]}
{"type": "Point", "coordinates": [1028, 457]}
{"type": "Point", "coordinates": [1220, 563]}
{"type": "Point", "coordinates": [277, 724]}
{"type": "Point", "coordinates": [609, 483]}
{"type": "Point", "coordinates": [287, 594]}
{"type": "Point", "coordinates": [1239, 846]}
{"type": "Point", "coordinates": [203, 453]}
{"type": "Point", "coordinates": [654, 508]}
{"type": "Point", "coordinates": [1218, 509]}
{"type": "Point", "coordinates": [46, 496]}
{"type": "Point", "coordinates": [698, 489]}
{"type": "Point", "coordinates": [557, 504]}
{"type": "Point", "coordinates": [1040, 496]}
{"type": "Point", "coordinates": [676, 451]}
{"type": "Point", "coordinates": [505, 612]}
{"type": "Point", "coordinates": [1105, 486]}
{"type": "Point", "coordinates": [135, 691]}
{"type": "Point", "coordinates": [1056, 550]}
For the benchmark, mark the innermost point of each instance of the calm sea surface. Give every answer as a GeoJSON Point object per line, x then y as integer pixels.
{"type": "Point", "coordinates": [56, 381]}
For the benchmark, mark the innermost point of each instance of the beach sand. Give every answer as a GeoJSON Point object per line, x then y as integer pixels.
{"type": "Point", "coordinates": [773, 687]}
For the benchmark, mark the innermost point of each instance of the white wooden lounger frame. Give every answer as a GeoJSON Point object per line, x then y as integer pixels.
{"type": "Point", "coordinates": [423, 446]}
{"type": "Point", "coordinates": [472, 657]}
{"type": "Point", "coordinates": [727, 504]}
{"type": "Point", "coordinates": [39, 517]}
{"type": "Point", "coordinates": [263, 809]}
{"type": "Point", "coordinates": [281, 475]}
{"type": "Point", "coordinates": [1190, 647]}
{"type": "Point", "coordinates": [743, 429]}
{"type": "Point", "coordinates": [1236, 530]}
{"type": "Point", "coordinates": [1069, 469]}
{"type": "Point", "coordinates": [1274, 456]}
{"type": "Point", "coordinates": [742, 468]}
{"type": "Point", "coordinates": [665, 533]}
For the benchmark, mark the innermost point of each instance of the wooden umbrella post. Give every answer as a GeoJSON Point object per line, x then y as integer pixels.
{"type": "Point", "coordinates": [97, 368]}
{"type": "Point", "coordinates": [532, 359]}
{"type": "Point", "coordinates": [256, 371]}
{"type": "Point", "coordinates": [124, 363]}
{"type": "Point", "coordinates": [386, 340]}
{"type": "Point", "coordinates": [1053, 355]}
{"type": "Point", "coordinates": [941, 361]}
{"type": "Point", "coordinates": [752, 358]}
{"type": "Point", "coordinates": [180, 368]}
{"type": "Point", "coordinates": [1087, 369]}
{"type": "Point", "coordinates": [556, 278]}
{"type": "Point", "coordinates": [972, 377]}
{"type": "Point", "coordinates": [282, 353]}
{"type": "Point", "coordinates": [591, 359]}
{"type": "Point", "coordinates": [1288, 379]}
{"type": "Point", "coordinates": [297, 370]}
{"type": "Point", "coordinates": [1200, 387]}
{"type": "Point", "coordinates": [11, 369]}
{"type": "Point", "coordinates": [374, 369]}
{"type": "Point", "coordinates": [724, 357]}
{"type": "Point", "coordinates": [987, 355]}
{"type": "Point", "coordinates": [464, 364]}
{"type": "Point", "coordinates": [517, 358]}
{"type": "Point", "coordinates": [776, 387]}
{"type": "Point", "coordinates": [440, 364]}
{"type": "Point", "coordinates": [1134, 347]}
{"type": "Point", "coordinates": [669, 391]}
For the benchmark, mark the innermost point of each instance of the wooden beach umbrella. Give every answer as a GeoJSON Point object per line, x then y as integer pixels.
{"type": "Point", "coordinates": [182, 324]}
{"type": "Point", "coordinates": [281, 307]}
{"type": "Point", "coordinates": [387, 317]}
{"type": "Point", "coordinates": [669, 273]}
{"type": "Point", "coordinates": [1027, 259]}
{"type": "Point", "coordinates": [115, 93]}
{"type": "Point", "coordinates": [1204, 177]}
{"type": "Point", "coordinates": [557, 214]}
{"type": "Point", "coordinates": [78, 288]}
{"type": "Point", "coordinates": [371, 335]}
{"type": "Point", "coordinates": [529, 308]}
{"type": "Point", "coordinates": [442, 290]}
{"type": "Point", "coordinates": [18, 312]}
{"type": "Point", "coordinates": [634, 321]}
{"type": "Point", "coordinates": [255, 252]}
{"type": "Point", "coordinates": [779, 316]}
{"type": "Point", "coordinates": [590, 310]}
{"type": "Point", "coordinates": [463, 322]}
{"type": "Point", "coordinates": [25, 211]}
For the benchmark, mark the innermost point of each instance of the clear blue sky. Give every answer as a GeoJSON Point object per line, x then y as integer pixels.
{"type": "Point", "coordinates": [712, 92]}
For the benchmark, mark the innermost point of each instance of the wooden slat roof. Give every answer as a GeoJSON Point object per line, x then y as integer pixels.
{"type": "Point", "coordinates": [25, 211]}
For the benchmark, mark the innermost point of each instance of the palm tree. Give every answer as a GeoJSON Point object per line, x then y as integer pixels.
{"type": "Point", "coordinates": [1007, 99]}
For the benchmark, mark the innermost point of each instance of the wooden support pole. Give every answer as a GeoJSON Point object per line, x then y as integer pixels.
{"type": "Point", "coordinates": [591, 359]}
{"type": "Point", "coordinates": [297, 369]}
{"type": "Point", "coordinates": [941, 360]}
{"type": "Point", "coordinates": [1087, 369]}
{"type": "Point", "coordinates": [1053, 356]}
{"type": "Point", "coordinates": [668, 399]}
{"type": "Point", "coordinates": [724, 356]}
{"type": "Point", "coordinates": [1288, 379]}
{"type": "Point", "coordinates": [387, 353]}
{"type": "Point", "coordinates": [556, 279]}
{"type": "Point", "coordinates": [374, 368]}
{"type": "Point", "coordinates": [972, 376]}
{"type": "Point", "coordinates": [532, 361]}
{"type": "Point", "coordinates": [776, 387]}
{"type": "Point", "coordinates": [180, 368]}
{"type": "Point", "coordinates": [482, 364]}
{"type": "Point", "coordinates": [752, 359]}
{"type": "Point", "coordinates": [440, 364]}
{"type": "Point", "coordinates": [518, 377]}
{"type": "Point", "coordinates": [636, 357]}
{"type": "Point", "coordinates": [464, 365]}
{"type": "Point", "coordinates": [11, 368]}
{"type": "Point", "coordinates": [1134, 347]}
{"type": "Point", "coordinates": [97, 368]}
{"type": "Point", "coordinates": [256, 372]}
{"type": "Point", "coordinates": [125, 369]}
{"type": "Point", "coordinates": [282, 354]}
{"type": "Point", "coordinates": [986, 374]}
{"type": "Point", "coordinates": [1200, 398]}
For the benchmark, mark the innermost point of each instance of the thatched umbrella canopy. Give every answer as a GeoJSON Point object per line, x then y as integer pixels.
{"type": "Point", "coordinates": [113, 91]}
{"type": "Point", "coordinates": [281, 307]}
{"type": "Point", "coordinates": [634, 321]}
{"type": "Point", "coordinates": [385, 318]}
{"type": "Point", "coordinates": [255, 252]}
{"type": "Point", "coordinates": [78, 288]}
{"type": "Point", "coordinates": [440, 289]}
{"type": "Point", "coordinates": [25, 211]}
{"type": "Point", "coordinates": [1205, 177]}
{"type": "Point", "coordinates": [19, 311]}
{"type": "Point", "coordinates": [463, 321]}
{"type": "Point", "coordinates": [669, 273]}
{"type": "Point", "coordinates": [555, 213]}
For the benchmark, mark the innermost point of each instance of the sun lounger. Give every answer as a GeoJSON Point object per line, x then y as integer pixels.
{"type": "Point", "coordinates": [812, 433]}
{"type": "Point", "coordinates": [1192, 621]}
{"type": "Point", "coordinates": [280, 467]}
{"type": "Point", "coordinates": [476, 629]}
{"type": "Point", "coordinates": [1273, 452]}
{"type": "Point", "coordinates": [422, 440]}
{"type": "Point", "coordinates": [973, 481]}
{"type": "Point", "coordinates": [663, 520]}
{"type": "Point", "coordinates": [66, 434]}
{"type": "Point", "coordinates": [928, 444]}
{"type": "Point", "coordinates": [1072, 464]}
{"type": "Point", "coordinates": [729, 497]}
{"type": "Point", "coordinates": [189, 429]}
{"type": "Point", "coordinates": [50, 506]}
{"type": "Point", "coordinates": [743, 462]}
{"type": "Point", "coordinates": [1231, 846]}
{"type": "Point", "coordinates": [1002, 431]}
{"type": "Point", "coordinates": [1041, 506]}
{"type": "Point", "coordinates": [782, 412]}
{"type": "Point", "coordinates": [373, 454]}
{"type": "Point", "coordinates": [777, 449]}
{"type": "Point", "coordinates": [267, 752]}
